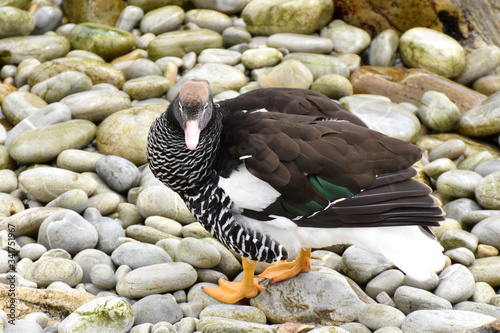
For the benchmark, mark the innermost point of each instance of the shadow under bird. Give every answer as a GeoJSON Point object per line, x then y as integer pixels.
{"type": "Point", "coordinates": [275, 172]}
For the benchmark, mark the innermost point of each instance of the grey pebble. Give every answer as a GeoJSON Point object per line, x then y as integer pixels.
{"type": "Point", "coordinates": [47, 270]}
{"type": "Point", "coordinates": [387, 281]}
{"type": "Point", "coordinates": [355, 328]}
{"type": "Point", "coordinates": [488, 167]}
{"type": "Point", "coordinates": [61, 85]}
{"type": "Point", "coordinates": [455, 209]}
{"type": "Point", "coordinates": [432, 321]}
{"type": "Point", "coordinates": [156, 308]}
{"type": "Point", "coordinates": [454, 238]}
{"type": "Point", "coordinates": [461, 255]}
{"type": "Point", "coordinates": [483, 293]}
{"type": "Point", "coordinates": [383, 48]}
{"type": "Point", "coordinates": [67, 230]}
{"type": "Point", "coordinates": [488, 231]}
{"type": "Point", "coordinates": [103, 276]}
{"type": "Point", "coordinates": [23, 326]}
{"type": "Point", "coordinates": [138, 254]}
{"type": "Point", "coordinates": [376, 316]}
{"type": "Point", "coordinates": [409, 299]}
{"type": "Point", "coordinates": [32, 251]}
{"type": "Point", "coordinates": [456, 284]}
{"type": "Point", "coordinates": [47, 18]}
{"type": "Point", "coordinates": [362, 266]}
{"type": "Point", "coordinates": [210, 275]}
{"type": "Point", "coordinates": [192, 309]}
{"type": "Point", "coordinates": [218, 324]}
{"type": "Point", "coordinates": [119, 173]}
{"type": "Point", "coordinates": [239, 312]}
{"type": "Point", "coordinates": [129, 17]}
{"type": "Point", "coordinates": [75, 200]}
{"type": "Point", "coordinates": [458, 183]}
{"type": "Point", "coordinates": [197, 253]}
{"type": "Point", "coordinates": [486, 309]}
{"type": "Point", "coordinates": [300, 43]}
{"type": "Point", "coordinates": [88, 259]}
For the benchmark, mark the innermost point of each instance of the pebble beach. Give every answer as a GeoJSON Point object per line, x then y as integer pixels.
{"type": "Point", "coordinates": [90, 241]}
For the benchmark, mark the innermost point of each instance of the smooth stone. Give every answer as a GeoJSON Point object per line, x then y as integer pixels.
{"type": "Point", "coordinates": [125, 133]}
{"type": "Point", "coordinates": [142, 67]}
{"type": "Point", "coordinates": [346, 38]}
{"type": "Point", "coordinates": [8, 181]}
{"type": "Point", "coordinates": [488, 231]}
{"type": "Point", "coordinates": [47, 183]}
{"type": "Point", "coordinates": [218, 324]}
{"type": "Point", "coordinates": [384, 116]}
{"type": "Point", "coordinates": [103, 276]}
{"type": "Point", "coordinates": [437, 112]}
{"type": "Point", "coordinates": [105, 314]}
{"type": "Point", "coordinates": [43, 144]}
{"type": "Point", "coordinates": [24, 70]}
{"type": "Point", "coordinates": [487, 167]}
{"type": "Point", "coordinates": [119, 173]}
{"type": "Point", "coordinates": [137, 254]}
{"type": "Point", "coordinates": [383, 48]}
{"type": "Point", "coordinates": [32, 251]}
{"type": "Point", "coordinates": [474, 217]}
{"type": "Point", "coordinates": [210, 275]}
{"type": "Point", "coordinates": [164, 224]}
{"type": "Point", "coordinates": [333, 86]}
{"type": "Point", "coordinates": [332, 302]}
{"type": "Point", "coordinates": [150, 86]}
{"type": "Point", "coordinates": [129, 18]}
{"type": "Point", "coordinates": [432, 50]}
{"type": "Point", "coordinates": [16, 22]}
{"type": "Point", "coordinates": [109, 230]}
{"type": "Point", "coordinates": [51, 114]}
{"type": "Point", "coordinates": [261, 57]}
{"type": "Point", "coordinates": [486, 309]}
{"type": "Point", "coordinates": [47, 270]}
{"type": "Point", "coordinates": [443, 321]}
{"type": "Point", "coordinates": [487, 85]}
{"type": "Point", "coordinates": [6, 161]}
{"type": "Point", "coordinates": [439, 166]}
{"type": "Point", "coordinates": [196, 230]}
{"type": "Point", "coordinates": [156, 279]}
{"type": "Point", "coordinates": [18, 105]}
{"type": "Point", "coordinates": [103, 40]}
{"type": "Point", "coordinates": [157, 308]}
{"type": "Point", "coordinates": [461, 255]}
{"type": "Point", "coordinates": [387, 281]}
{"type": "Point", "coordinates": [161, 201]}
{"type": "Point", "coordinates": [104, 12]}
{"type": "Point", "coordinates": [361, 265]}
{"type": "Point", "coordinates": [457, 208]}
{"type": "Point", "coordinates": [354, 328]}
{"type": "Point", "coordinates": [408, 85]}
{"type": "Point", "coordinates": [458, 183]}
{"type": "Point", "coordinates": [98, 71]}
{"type": "Point", "coordinates": [290, 73]}
{"type": "Point", "coordinates": [88, 259]}
{"type": "Point", "coordinates": [267, 17]}
{"type": "Point", "coordinates": [64, 84]}
{"type": "Point", "coordinates": [208, 19]}
{"type": "Point", "coordinates": [83, 54]}
{"type": "Point", "coordinates": [376, 316]}
{"type": "Point", "coordinates": [28, 221]}
{"type": "Point", "coordinates": [147, 234]}
{"type": "Point", "coordinates": [235, 36]}
{"type": "Point", "coordinates": [220, 76]}
{"type": "Point", "coordinates": [455, 238]}
{"type": "Point", "coordinates": [474, 159]}
{"type": "Point", "coordinates": [450, 149]}
{"type": "Point", "coordinates": [479, 63]}
{"type": "Point", "coordinates": [104, 103]}
{"type": "Point", "coordinates": [13, 50]}
{"type": "Point", "coordinates": [163, 19]}
{"type": "Point", "coordinates": [428, 284]}
{"type": "Point", "coordinates": [456, 284]}
{"type": "Point", "coordinates": [482, 120]}
{"type": "Point", "coordinates": [197, 253]}
{"type": "Point", "coordinates": [178, 43]}
{"type": "Point", "coordinates": [47, 18]}
{"type": "Point", "coordinates": [78, 160]}
{"type": "Point", "coordinates": [300, 43]}
{"type": "Point", "coordinates": [488, 191]}
{"type": "Point", "coordinates": [409, 299]}
{"type": "Point", "coordinates": [228, 57]}
{"type": "Point", "coordinates": [487, 270]}
{"type": "Point", "coordinates": [128, 214]}
{"type": "Point", "coordinates": [67, 230]}
{"type": "Point", "coordinates": [321, 64]}
{"type": "Point", "coordinates": [483, 293]}
{"type": "Point", "coordinates": [192, 309]}
{"type": "Point", "coordinates": [22, 325]}
{"type": "Point", "coordinates": [225, 6]}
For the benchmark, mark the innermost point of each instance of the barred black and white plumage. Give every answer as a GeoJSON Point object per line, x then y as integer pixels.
{"type": "Point", "coordinates": [274, 171]}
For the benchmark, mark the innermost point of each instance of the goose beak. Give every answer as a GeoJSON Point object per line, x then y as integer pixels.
{"type": "Point", "coordinates": [192, 134]}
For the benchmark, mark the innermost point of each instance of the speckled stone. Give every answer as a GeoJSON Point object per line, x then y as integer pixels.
{"type": "Point", "coordinates": [161, 201]}
{"type": "Point", "coordinates": [383, 48]}
{"type": "Point", "coordinates": [261, 57]}
{"type": "Point", "coordinates": [458, 183]}
{"type": "Point", "coordinates": [487, 270]}
{"type": "Point", "coordinates": [409, 299]}
{"type": "Point", "coordinates": [431, 321]}
{"type": "Point", "coordinates": [208, 19]}
{"type": "Point", "coordinates": [64, 84]}
{"type": "Point", "coordinates": [300, 43]}
{"type": "Point", "coordinates": [13, 50]}
{"type": "Point", "coordinates": [482, 120]}
{"type": "Point", "coordinates": [138, 254]}
{"type": "Point", "coordinates": [47, 270]}
{"type": "Point", "coordinates": [334, 86]}
{"type": "Point", "coordinates": [375, 316]}
{"type": "Point", "coordinates": [437, 111]}
{"type": "Point", "coordinates": [321, 64]}
{"type": "Point", "coordinates": [488, 191]}
{"type": "Point", "coordinates": [163, 19]}
{"type": "Point", "coordinates": [479, 63]}
{"type": "Point", "coordinates": [432, 50]}
{"type": "Point", "coordinates": [18, 105]}
{"type": "Point", "coordinates": [346, 38]}
{"type": "Point", "coordinates": [290, 73]}
{"type": "Point", "coordinates": [16, 22]}
{"type": "Point", "coordinates": [150, 86]}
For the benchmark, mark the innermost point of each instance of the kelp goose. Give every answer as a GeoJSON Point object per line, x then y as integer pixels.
{"type": "Point", "coordinates": [275, 172]}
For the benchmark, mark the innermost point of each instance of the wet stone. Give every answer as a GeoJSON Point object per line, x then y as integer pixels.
{"type": "Point", "coordinates": [321, 64]}
{"type": "Point", "coordinates": [16, 22]}
{"type": "Point", "coordinates": [458, 183]}
{"type": "Point", "coordinates": [479, 63]}
{"type": "Point", "coordinates": [346, 38]}
{"type": "Point", "coordinates": [437, 112]}
{"type": "Point", "coordinates": [209, 19]}
{"type": "Point", "coordinates": [163, 19]}
{"type": "Point", "coordinates": [13, 50]}
{"type": "Point", "coordinates": [64, 84]}
{"type": "Point", "coordinates": [150, 86]}
{"type": "Point", "coordinates": [261, 57]}
{"type": "Point", "coordinates": [383, 48]}
{"type": "Point", "coordinates": [439, 166]}
{"type": "Point", "coordinates": [290, 73]}
{"type": "Point", "coordinates": [300, 43]}
{"type": "Point", "coordinates": [449, 149]}
{"type": "Point", "coordinates": [482, 120]}
{"type": "Point", "coordinates": [334, 86]}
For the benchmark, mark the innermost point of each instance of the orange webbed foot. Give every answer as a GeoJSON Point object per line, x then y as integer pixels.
{"type": "Point", "coordinates": [286, 270]}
